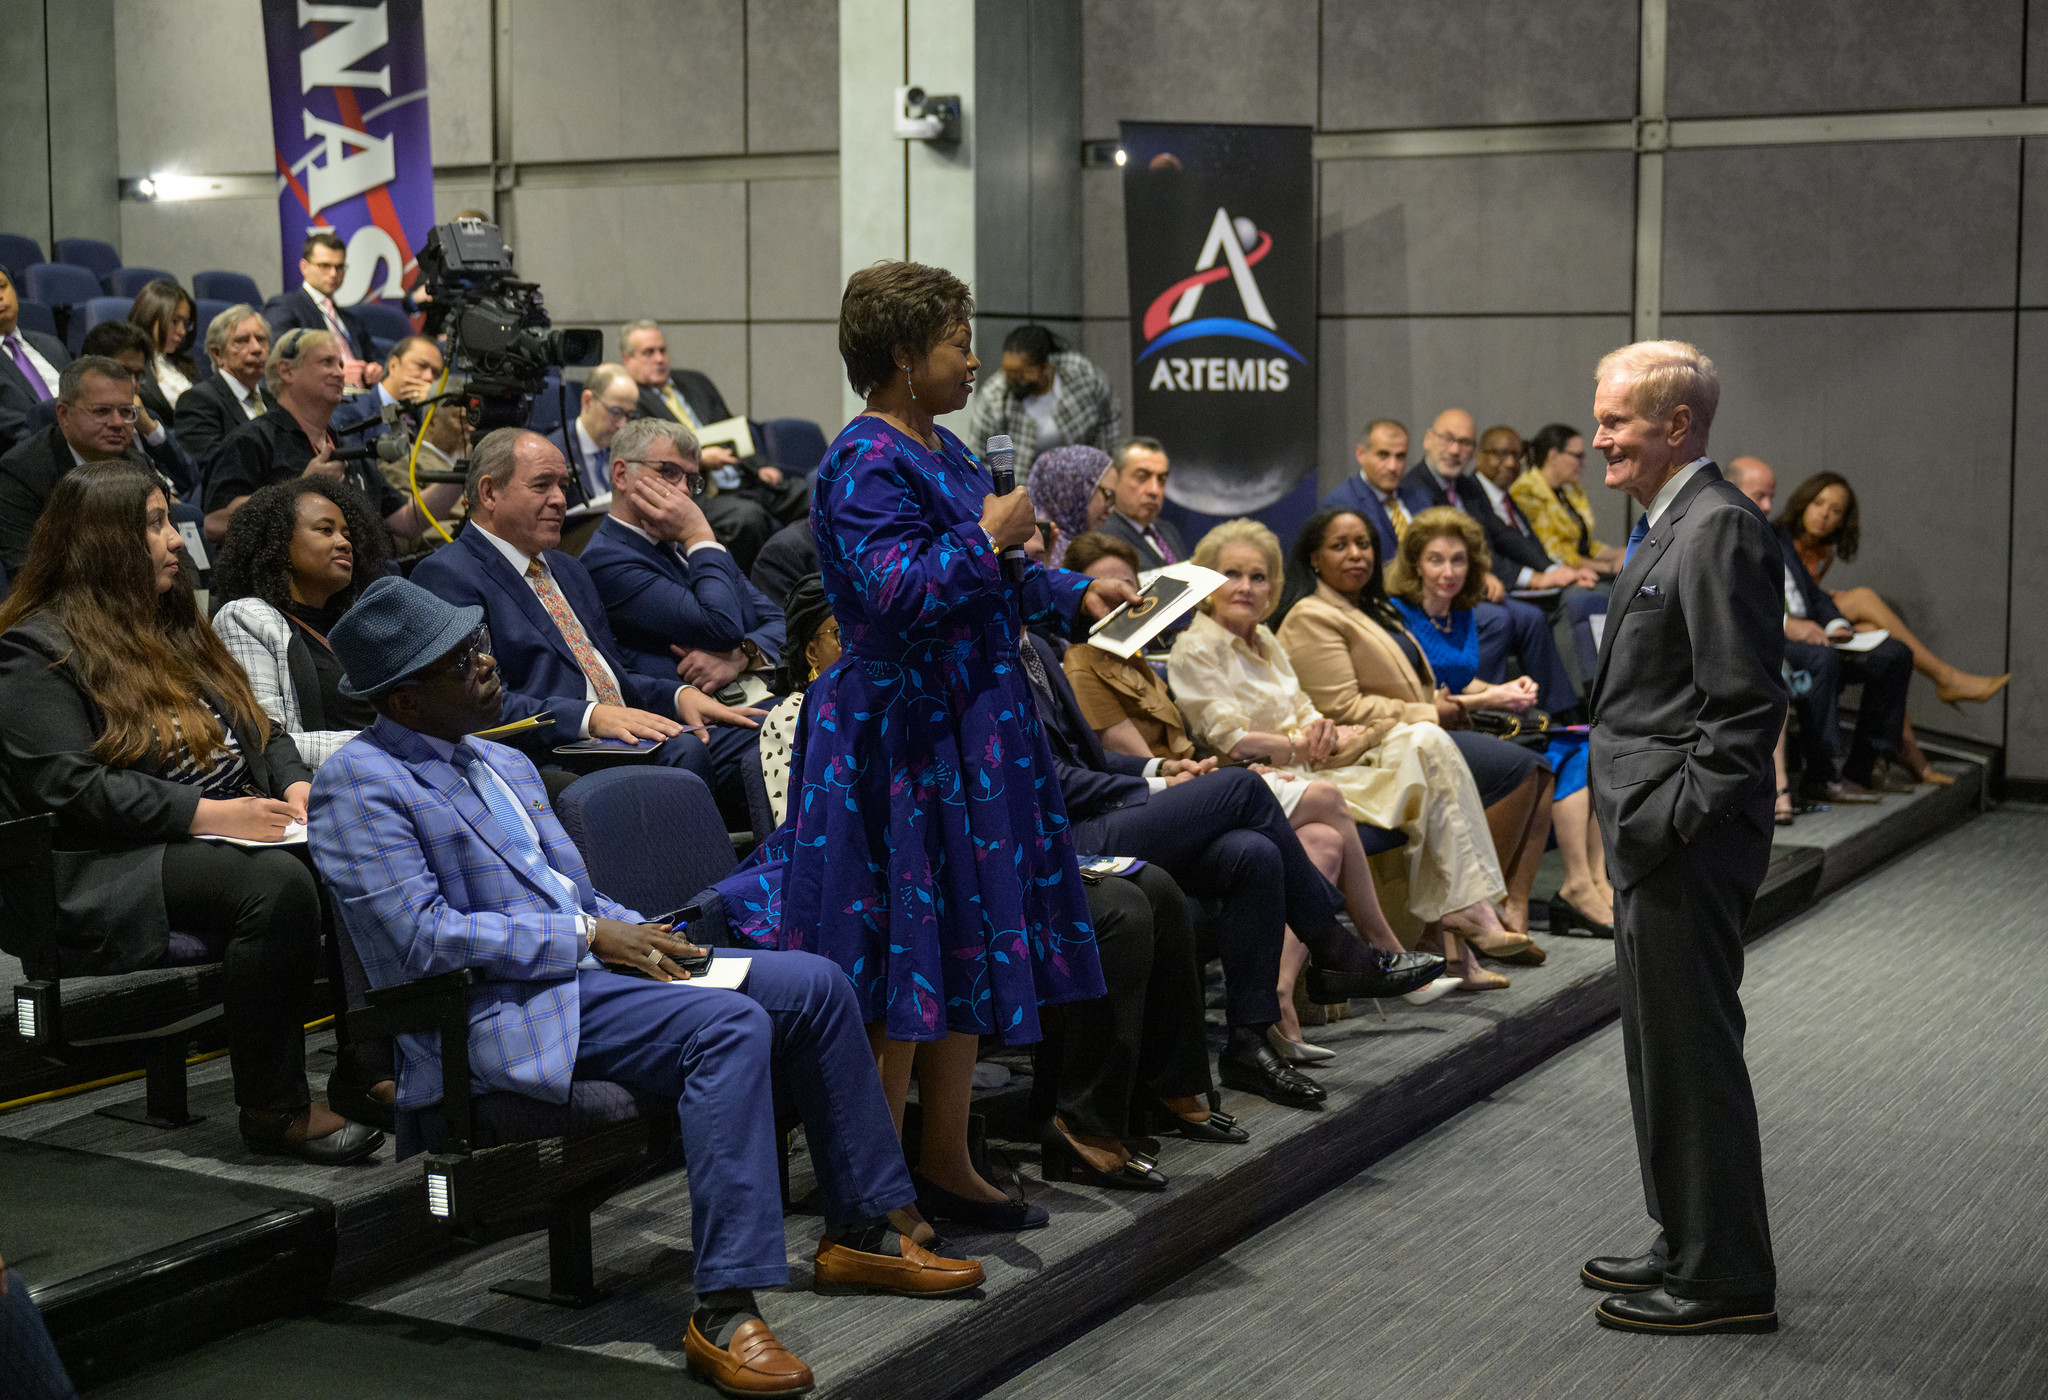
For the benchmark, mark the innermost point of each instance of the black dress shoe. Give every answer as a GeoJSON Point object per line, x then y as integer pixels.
{"type": "Point", "coordinates": [1658, 1311]}
{"type": "Point", "coordinates": [351, 1142]}
{"type": "Point", "coordinates": [1565, 917]}
{"type": "Point", "coordinates": [1058, 1161]}
{"type": "Point", "coordinates": [1218, 1127]}
{"type": "Point", "coordinates": [1253, 1067]}
{"type": "Point", "coordinates": [1393, 975]}
{"type": "Point", "coordinates": [937, 1203]}
{"type": "Point", "coordinates": [1613, 1274]}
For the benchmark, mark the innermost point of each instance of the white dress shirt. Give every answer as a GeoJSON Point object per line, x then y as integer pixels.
{"type": "Point", "coordinates": [625, 524]}
{"type": "Point", "coordinates": [170, 379]}
{"type": "Point", "coordinates": [246, 396]}
{"type": "Point", "coordinates": [519, 559]}
{"type": "Point", "coordinates": [1661, 502]}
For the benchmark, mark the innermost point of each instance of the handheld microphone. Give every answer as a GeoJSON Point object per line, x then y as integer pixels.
{"type": "Point", "coordinates": [1002, 467]}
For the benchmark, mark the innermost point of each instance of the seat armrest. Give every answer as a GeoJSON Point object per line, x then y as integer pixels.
{"type": "Point", "coordinates": [437, 1003]}
{"type": "Point", "coordinates": [28, 895]}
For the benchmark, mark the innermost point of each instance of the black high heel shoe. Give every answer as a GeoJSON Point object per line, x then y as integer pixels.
{"type": "Point", "coordinates": [1566, 918]}
{"type": "Point", "coordinates": [1060, 1161]}
{"type": "Point", "coordinates": [1248, 1063]}
{"type": "Point", "coordinates": [1219, 1127]}
{"type": "Point", "coordinates": [937, 1203]}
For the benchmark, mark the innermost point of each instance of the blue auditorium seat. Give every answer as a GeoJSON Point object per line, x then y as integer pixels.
{"type": "Point", "coordinates": [651, 837]}
{"type": "Point", "coordinates": [88, 253]}
{"type": "Point", "coordinates": [793, 444]}
{"type": "Point", "coordinates": [37, 317]}
{"type": "Point", "coordinates": [17, 253]}
{"type": "Point", "coordinates": [385, 320]}
{"type": "Point", "coordinates": [96, 310]}
{"type": "Point", "coordinates": [227, 288]}
{"type": "Point", "coordinates": [127, 281]}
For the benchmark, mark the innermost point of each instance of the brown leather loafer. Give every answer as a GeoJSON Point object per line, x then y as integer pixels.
{"type": "Point", "coordinates": [918, 1274]}
{"type": "Point", "coordinates": [754, 1364]}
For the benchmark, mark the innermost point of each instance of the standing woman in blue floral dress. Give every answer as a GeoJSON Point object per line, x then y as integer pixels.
{"type": "Point", "coordinates": [928, 849]}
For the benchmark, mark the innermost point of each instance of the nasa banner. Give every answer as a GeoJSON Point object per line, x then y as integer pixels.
{"type": "Point", "coordinates": [1219, 225]}
{"type": "Point", "coordinates": [348, 111]}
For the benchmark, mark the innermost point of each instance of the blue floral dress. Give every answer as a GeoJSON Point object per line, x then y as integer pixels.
{"type": "Point", "coordinates": [1454, 656]}
{"type": "Point", "coordinates": [926, 846]}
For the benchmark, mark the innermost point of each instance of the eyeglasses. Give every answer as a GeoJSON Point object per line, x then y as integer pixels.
{"type": "Point", "coordinates": [674, 473]}
{"type": "Point", "coordinates": [463, 661]}
{"type": "Point", "coordinates": [126, 412]}
{"type": "Point", "coordinates": [620, 415]}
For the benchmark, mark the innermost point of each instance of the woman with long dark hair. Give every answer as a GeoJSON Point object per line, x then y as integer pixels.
{"type": "Point", "coordinates": [123, 716]}
{"type": "Point", "coordinates": [1823, 523]}
{"type": "Point", "coordinates": [165, 312]}
{"type": "Point", "coordinates": [297, 555]}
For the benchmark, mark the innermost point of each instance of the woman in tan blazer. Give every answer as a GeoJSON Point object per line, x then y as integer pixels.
{"type": "Point", "coordinates": [1359, 663]}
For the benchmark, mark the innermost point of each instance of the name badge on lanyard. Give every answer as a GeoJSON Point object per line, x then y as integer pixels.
{"type": "Point", "coordinates": [195, 544]}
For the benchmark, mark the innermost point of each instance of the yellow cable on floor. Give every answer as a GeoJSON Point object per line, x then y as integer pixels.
{"type": "Point", "coordinates": [52, 1095]}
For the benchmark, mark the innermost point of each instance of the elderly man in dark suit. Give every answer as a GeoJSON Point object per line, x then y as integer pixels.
{"type": "Point", "coordinates": [29, 365]}
{"type": "Point", "coordinates": [678, 604]}
{"type": "Point", "coordinates": [237, 343]}
{"type": "Point", "coordinates": [753, 496]}
{"type": "Point", "coordinates": [549, 634]}
{"type": "Point", "coordinates": [1686, 712]}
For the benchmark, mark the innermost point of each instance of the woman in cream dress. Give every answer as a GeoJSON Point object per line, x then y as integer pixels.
{"type": "Point", "coordinates": [1240, 697]}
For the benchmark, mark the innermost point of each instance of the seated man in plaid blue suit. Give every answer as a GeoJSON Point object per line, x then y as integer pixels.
{"type": "Point", "coordinates": [443, 853]}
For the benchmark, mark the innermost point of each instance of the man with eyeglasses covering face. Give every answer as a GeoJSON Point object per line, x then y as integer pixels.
{"type": "Point", "coordinates": [323, 266]}
{"type": "Point", "coordinates": [676, 600]}
{"type": "Point", "coordinates": [96, 416]}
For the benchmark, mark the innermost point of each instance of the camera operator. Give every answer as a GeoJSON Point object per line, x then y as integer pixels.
{"type": "Point", "coordinates": [305, 375]}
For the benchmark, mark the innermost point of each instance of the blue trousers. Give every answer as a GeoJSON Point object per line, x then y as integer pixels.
{"type": "Point", "coordinates": [29, 1368]}
{"type": "Point", "coordinates": [1513, 626]}
{"type": "Point", "coordinates": [721, 1056]}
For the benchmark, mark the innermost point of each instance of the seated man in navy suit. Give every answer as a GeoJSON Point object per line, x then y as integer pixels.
{"type": "Point", "coordinates": [678, 604]}
{"type": "Point", "coordinates": [444, 854]}
{"type": "Point", "coordinates": [323, 266]}
{"type": "Point", "coordinates": [610, 400]}
{"type": "Point", "coordinates": [1374, 493]}
{"type": "Point", "coordinates": [547, 624]}
{"type": "Point", "coordinates": [1520, 558]}
{"type": "Point", "coordinates": [1505, 624]}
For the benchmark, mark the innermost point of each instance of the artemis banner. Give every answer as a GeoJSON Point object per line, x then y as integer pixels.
{"type": "Point", "coordinates": [348, 110]}
{"type": "Point", "coordinates": [1219, 226]}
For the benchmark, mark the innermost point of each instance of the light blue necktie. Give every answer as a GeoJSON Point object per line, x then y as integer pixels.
{"type": "Point", "coordinates": [519, 834]}
{"type": "Point", "coordinates": [1635, 537]}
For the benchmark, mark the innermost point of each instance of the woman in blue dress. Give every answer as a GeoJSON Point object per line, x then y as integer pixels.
{"type": "Point", "coordinates": [1440, 550]}
{"type": "Point", "coordinates": [926, 840]}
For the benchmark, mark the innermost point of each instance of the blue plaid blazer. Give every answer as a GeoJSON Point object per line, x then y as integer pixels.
{"type": "Point", "coordinates": [425, 880]}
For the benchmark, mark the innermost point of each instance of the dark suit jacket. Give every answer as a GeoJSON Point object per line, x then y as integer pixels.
{"type": "Point", "coordinates": [599, 471]}
{"type": "Point", "coordinates": [697, 391]}
{"type": "Point", "coordinates": [789, 557]}
{"type": "Point", "coordinates": [207, 413]}
{"type": "Point", "coordinates": [112, 823]}
{"type": "Point", "coordinates": [1148, 557]}
{"type": "Point", "coordinates": [1688, 701]}
{"type": "Point", "coordinates": [1819, 606]}
{"type": "Point", "coordinates": [1353, 494]}
{"type": "Point", "coordinates": [28, 475]}
{"type": "Point", "coordinates": [296, 309]}
{"type": "Point", "coordinates": [540, 672]}
{"type": "Point", "coordinates": [1512, 550]}
{"type": "Point", "coordinates": [1092, 780]}
{"type": "Point", "coordinates": [16, 397]}
{"type": "Point", "coordinates": [653, 600]}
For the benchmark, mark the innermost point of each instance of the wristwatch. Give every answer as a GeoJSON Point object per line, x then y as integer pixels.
{"type": "Point", "coordinates": [757, 660]}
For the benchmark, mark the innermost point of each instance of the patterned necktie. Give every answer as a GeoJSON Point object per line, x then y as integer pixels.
{"type": "Point", "coordinates": [571, 628]}
{"type": "Point", "coordinates": [1397, 513]}
{"type": "Point", "coordinates": [677, 408]}
{"type": "Point", "coordinates": [1635, 537]}
{"type": "Point", "coordinates": [28, 370]}
{"type": "Point", "coordinates": [518, 833]}
{"type": "Point", "coordinates": [1159, 545]}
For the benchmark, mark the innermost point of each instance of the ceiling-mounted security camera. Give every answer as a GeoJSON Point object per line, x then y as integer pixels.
{"type": "Point", "coordinates": [921, 117]}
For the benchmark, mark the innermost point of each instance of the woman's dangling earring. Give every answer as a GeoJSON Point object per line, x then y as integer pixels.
{"type": "Point", "coordinates": [911, 382]}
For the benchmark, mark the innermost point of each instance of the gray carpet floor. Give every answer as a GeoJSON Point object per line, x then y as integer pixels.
{"type": "Point", "coordinates": [1899, 1044]}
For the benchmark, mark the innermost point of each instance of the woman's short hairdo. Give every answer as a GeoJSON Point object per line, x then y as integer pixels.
{"type": "Point", "coordinates": [1093, 547]}
{"type": "Point", "coordinates": [255, 560]}
{"type": "Point", "coordinates": [1245, 530]}
{"type": "Point", "coordinates": [1848, 536]}
{"type": "Point", "coordinates": [894, 306]}
{"type": "Point", "coordinates": [1665, 374]}
{"type": "Point", "coordinates": [1034, 342]}
{"type": "Point", "coordinates": [1404, 573]}
{"type": "Point", "coordinates": [289, 349]}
